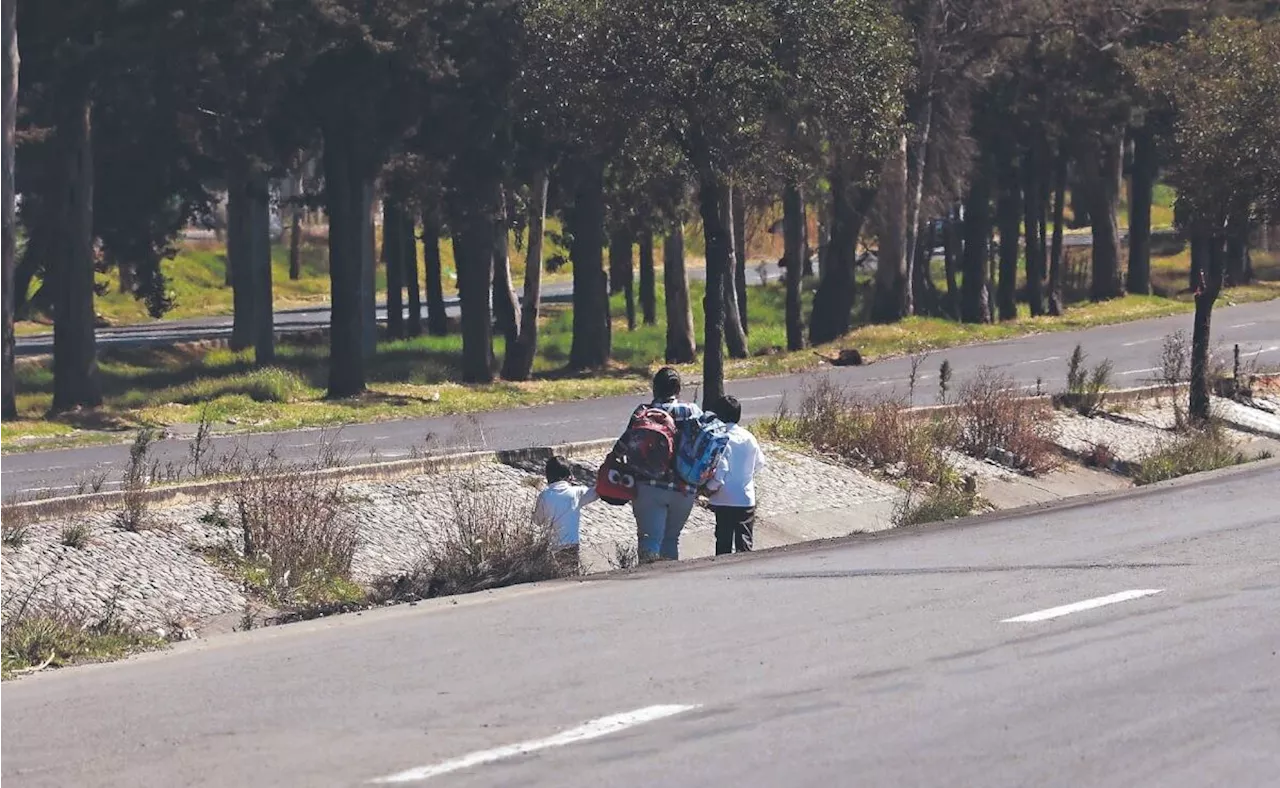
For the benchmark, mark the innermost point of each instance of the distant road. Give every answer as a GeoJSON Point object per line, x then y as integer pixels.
{"type": "Point", "coordinates": [168, 332]}
{"type": "Point", "coordinates": [1120, 642]}
{"type": "Point", "coordinates": [1029, 361]}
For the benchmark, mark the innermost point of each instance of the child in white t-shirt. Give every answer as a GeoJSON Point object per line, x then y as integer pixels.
{"type": "Point", "coordinates": [732, 491]}
{"type": "Point", "coordinates": [559, 506]}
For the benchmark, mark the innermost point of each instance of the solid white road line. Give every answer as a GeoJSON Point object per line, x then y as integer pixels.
{"type": "Point", "coordinates": [1140, 371]}
{"type": "Point", "coordinates": [594, 729]}
{"type": "Point", "coordinates": [1140, 342]}
{"type": "Point", "coordinates": [1076, 607]}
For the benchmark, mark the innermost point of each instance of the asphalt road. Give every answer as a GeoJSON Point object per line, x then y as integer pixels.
{"type": "Point", "coordinates": [168, 332]}
{"type": "Point", "coordinates": [878, 661]}
{"type": "Point", "coordinates": [1132, 347]}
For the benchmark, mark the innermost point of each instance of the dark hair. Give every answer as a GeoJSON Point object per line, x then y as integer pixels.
{"type": "Point", "coordinates": [558, 470]}
{"type": "Point", "coordinates": [666, 384]}
{"type": "Point", "coordinates": [728, 409]}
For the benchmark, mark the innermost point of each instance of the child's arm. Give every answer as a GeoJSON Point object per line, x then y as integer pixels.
{"type": "Point", "coordinates": [722, 473]}
{"type": "Point", "coordinates": [587, 497]}
{"type": "Point", "coordinates": [760, 458]}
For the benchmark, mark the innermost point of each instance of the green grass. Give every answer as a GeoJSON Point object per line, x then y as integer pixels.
{"type": "Point", "coordinates": [61, 640]}
{"type": "Point", "coordinates": [1195, 452]}
{"type": "Point", "coordinates": [936, 504]}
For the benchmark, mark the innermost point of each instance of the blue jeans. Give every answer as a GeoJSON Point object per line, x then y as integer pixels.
{"type": "Point", "coordinates": [660, 516]}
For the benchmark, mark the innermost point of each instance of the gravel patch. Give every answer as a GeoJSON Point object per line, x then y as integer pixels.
{"type": "Point", "coordinates": [159, 576]}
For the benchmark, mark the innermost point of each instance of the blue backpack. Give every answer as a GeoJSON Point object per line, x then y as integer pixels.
{"type": "Point", "coordinates": [700, 444]}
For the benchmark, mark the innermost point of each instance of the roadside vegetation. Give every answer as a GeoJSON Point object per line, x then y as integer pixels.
{"type": "Point", "coordinates": [39, 632]}
{"type": "Point", "coordinates": [1195, 450]}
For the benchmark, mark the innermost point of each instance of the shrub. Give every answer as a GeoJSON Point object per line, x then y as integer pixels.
{"type": "Point", "coordinates": [625, 556]}
{"type": "Point", "coordinates": [56, 638]}
{"type": "Point", "coordinates": [936, 504]}
{"type": "Point", "coordinates": [1173, 360]}
{"type": "Point", "coordinates": [134, 513]}
{"type": "Point", "coordinates": [298, 537]}
{"type": "Point", "coordinates": [878, 434]}
{"type": "Point", "coordinates": [1194, 452]}
{"type": "Point", "coordinates": [76, 534]}
{"type": "Point", "coordinates": [13, 536]}
{"type": "Point", "coordinates": [1087, 389]}
{"type": "Point", "coordinates": [1100, 456]}
{"type": "Point", "coordinates": [488, 542]}
{"type": "Point", "coordinates": [993, 420]}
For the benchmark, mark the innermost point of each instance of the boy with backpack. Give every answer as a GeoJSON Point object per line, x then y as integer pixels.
{"type": "Point", "coordinates": [663, 502]}
{"type": "Point", "coordinates": [560, 506]}
{"type": "Point", "coordinates": [733, 487]}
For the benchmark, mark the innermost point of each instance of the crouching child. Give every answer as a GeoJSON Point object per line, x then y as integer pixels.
{"type": "Point", "coordinates": [732, 491]}
{"type": "Point", "coordinates": [559, 507]}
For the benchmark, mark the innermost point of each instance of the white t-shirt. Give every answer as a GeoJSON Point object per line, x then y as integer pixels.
{"type": "Point", "coordinates": [561, 505]}
{"type": "Point", "coordinates": [734, 483]}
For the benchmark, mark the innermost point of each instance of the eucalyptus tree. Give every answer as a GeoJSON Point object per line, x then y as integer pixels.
{"type": "Point", "coordinates": [1223, 86]}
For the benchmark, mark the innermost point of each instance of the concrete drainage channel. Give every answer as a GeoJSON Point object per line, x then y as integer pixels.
{"type": "Point", "coordinates": [167, 578]}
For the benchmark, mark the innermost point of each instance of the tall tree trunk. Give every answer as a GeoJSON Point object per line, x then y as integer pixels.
{"type": "Point", "coordinates": [392, 238]}
{"type": "Point", "coordinates": [1056, 252]}
{"type": "Point", "coordinates": [622, 271]}
{"type": "Point", "coordinates": [915, 195]}
{"type": "Point", "coordinates": [792, 252]}
{"type": "Point", "coordinates": [297, 189]}
{"type": "Point", "coordinates": [592, 329]}
{"type": "Point", "coordinates": [1209, 249]}
{"type": "Point", "coordinates": [409, 267]}
{"type": "Point", "coordinates": [648, 294]}
{"type": "Point", "coordinates": [437, 319]}
{"type": "Point", "coordinates": [712, 199]}
{"type": "Point", "coordinates": [1237, 252]}
{"type": "Point", "coordinates": [369, 281]}
{"type": "Point", "coordinates": [258, 258]}
{"type": "Point", "coordinates": [824, 243]}
{"type": "Point", "coordinates": [76, 381]}
{"type": "Point", "coordinates": [952, 248]}
{"type": "Point", "coordinates": [1142, 182]}
{"type": "Point", "coordinates": [238, 258]}
{"type": "Point", "coordinates": [1032, 211]}
{"type": "Point", "coordinates": [505, 304]}
{"type": "Point", "coordinates": [518, 364]}
{"type": "Point", "coordinates": [1105, 209]}
{"type": "Point", "coordinates": [349, 207]}
{"type": "Point", "coordinates": [740, 257]}
{"type": "Point", "coordinates": [975, 306]}
{"type": "Point", "coordinates": [925, 291]}
{"type": "Point", "coordinates": [889, 302]}
{"type": "Point", "coordinates": [1008, 220]}
{"type": "Point", "coordinates": [681, 347]}
{"type": "Point", "coordinates": [9, 251]}
{"type": "Point", "coordinates": [473, 225]}
{"type": "Point", "coordinates": [833, 304]}
{"type": "Point", "coordinates": [229, 274]}
{"type": "Point", "coordinates": [735, 332]}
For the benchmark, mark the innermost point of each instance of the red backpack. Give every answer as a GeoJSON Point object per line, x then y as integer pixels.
{"type": "Point", "coordinates": [614, 483]}
{"type": "Point", "coordinates": [648, 446]}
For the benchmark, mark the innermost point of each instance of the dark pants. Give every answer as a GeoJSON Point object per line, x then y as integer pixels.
{"type": "Point", "coordinates": [733, 528]}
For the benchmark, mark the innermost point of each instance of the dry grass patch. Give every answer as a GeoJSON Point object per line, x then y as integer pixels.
{"type": "Point", "coordinates": [489, 541]}
{"type": "Point", "coordinates": [994, 421]}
